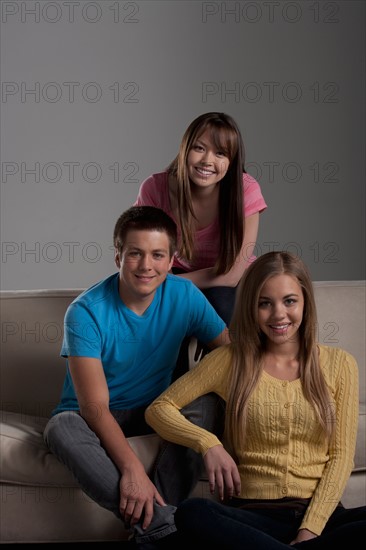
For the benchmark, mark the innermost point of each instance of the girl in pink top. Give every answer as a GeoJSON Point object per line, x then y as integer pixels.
{"type": "Point", "coordinates": [215, 204]}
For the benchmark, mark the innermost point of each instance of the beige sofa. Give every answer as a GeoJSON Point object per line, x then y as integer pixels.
{"type": "Point", "coordinates": [40, 502]}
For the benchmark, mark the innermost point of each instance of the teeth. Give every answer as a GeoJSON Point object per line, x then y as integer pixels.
{"type": "Point", "coordinates": [205, 172]}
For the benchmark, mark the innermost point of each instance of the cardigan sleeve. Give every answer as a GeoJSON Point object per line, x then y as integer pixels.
{"type": "Point", "coordinates": [164, 413]}
{"type": "Point", "coordinates": [341, 372]}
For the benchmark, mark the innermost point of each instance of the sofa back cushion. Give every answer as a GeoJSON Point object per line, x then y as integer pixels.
{"type": "Point", "coordinates": [32, 370]}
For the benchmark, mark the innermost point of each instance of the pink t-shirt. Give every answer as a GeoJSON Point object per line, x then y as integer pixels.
{"type": "Point", "coordinates": [154, 192]}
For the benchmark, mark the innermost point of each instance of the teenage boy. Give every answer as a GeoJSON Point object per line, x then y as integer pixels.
{"type": "Point", "coordinates": [121, 339]}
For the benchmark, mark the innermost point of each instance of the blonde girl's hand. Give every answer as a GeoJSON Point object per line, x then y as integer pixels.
{"type": "Point", "coordinates": [303, 535]}
{"type": "Point", "coordinates": [222, 472]}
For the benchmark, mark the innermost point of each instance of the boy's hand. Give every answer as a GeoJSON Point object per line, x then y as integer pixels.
{"type": "Point", "coordinates": [137, 495]}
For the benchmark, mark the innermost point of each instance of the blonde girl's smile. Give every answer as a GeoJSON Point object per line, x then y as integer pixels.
{"type": "Point", "coordinates": [279, 329]}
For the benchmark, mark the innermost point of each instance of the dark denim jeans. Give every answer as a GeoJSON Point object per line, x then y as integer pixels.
{"type": "Point", "coordinates": [222, 298]}
{"type": "Point", "coordinates": [217, 525]}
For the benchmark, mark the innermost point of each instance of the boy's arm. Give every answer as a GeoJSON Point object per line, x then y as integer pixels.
{"type": "Point", "coordinates": [137, 492]}
{"type": "Point", "coordinates": [221, 340]}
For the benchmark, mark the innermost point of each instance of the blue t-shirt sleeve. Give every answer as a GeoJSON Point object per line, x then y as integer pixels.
{"type": "Point", "coordinates": [206, 324]}
{"type": "Point", "coordinates": [82, 336]}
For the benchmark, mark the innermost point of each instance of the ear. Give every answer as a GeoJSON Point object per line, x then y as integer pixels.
{"type": "Point", "coordinates": [117, 259]}
{"type": "Point", "coordinates": [171, 262]}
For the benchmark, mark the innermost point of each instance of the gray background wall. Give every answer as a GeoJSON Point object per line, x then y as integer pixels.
{"type": "Point", "coordinates": [96, 96]}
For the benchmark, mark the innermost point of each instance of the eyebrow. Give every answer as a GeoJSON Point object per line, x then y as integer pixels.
{"type": "Point", "coordinates": [284, 297]}
{"type": "Point", "coordinates": [132, 247]}
{"type": "Point", "coordinates": [199, 140]}
{"type": "Point", "coordinates": [218, 146]}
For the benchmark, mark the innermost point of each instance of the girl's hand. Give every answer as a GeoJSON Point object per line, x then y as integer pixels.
{"type": "Point", "coordinates": [302, 535]}
{"type": "Point", "coordinates": [222, 472]}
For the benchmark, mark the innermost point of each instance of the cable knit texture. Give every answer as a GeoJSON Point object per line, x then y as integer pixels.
{"type": "Point", "coordinates": [287, 454]}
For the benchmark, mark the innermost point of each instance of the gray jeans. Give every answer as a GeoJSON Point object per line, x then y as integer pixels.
{"type": "Point", "coordinates": [175, 472]}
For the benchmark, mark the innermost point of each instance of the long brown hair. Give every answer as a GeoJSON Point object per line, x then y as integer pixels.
{"type": "Point", "coordinates": [226, 136]}
{"type": "Point", "coordinates": [249, 344]}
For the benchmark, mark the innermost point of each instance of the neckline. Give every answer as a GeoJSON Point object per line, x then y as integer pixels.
{"type": "Point", "coordinates": [281, 381]}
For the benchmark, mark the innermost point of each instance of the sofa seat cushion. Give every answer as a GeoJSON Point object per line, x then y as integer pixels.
{"type": "Point", "coordinates": [26, 459]}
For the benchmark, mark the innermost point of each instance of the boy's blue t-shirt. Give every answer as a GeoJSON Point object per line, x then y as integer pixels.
{"type": "Point", "coordinates": [138, 353]}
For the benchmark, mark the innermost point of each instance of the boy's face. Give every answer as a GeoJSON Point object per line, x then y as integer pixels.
{"type": "Point", "coordinates": [143, 265]}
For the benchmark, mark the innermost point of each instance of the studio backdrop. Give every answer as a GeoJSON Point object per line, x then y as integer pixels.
{"type": "Point", "coordinates": [96, 95]}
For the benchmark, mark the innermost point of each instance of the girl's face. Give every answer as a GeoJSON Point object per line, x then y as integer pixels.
{"type": "Point", "coordinates": [206, 164]}
{"type": "Point", "coordinates": [280, 309]}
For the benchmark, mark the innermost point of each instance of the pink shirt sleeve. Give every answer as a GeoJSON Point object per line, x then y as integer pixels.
{"type": "Point", "coordinates": [253, 198]}
{"type": "Point", "coordinates": [154, 192]}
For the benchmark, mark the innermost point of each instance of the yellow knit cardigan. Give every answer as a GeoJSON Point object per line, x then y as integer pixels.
{"type": "Point", "coordinates": [286, 453]}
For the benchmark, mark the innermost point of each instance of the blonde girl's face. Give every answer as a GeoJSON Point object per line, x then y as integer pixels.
{"type": "Point", "coordinates": [206, 164]}
{"type": "Point", "coordinates": [280, 309]}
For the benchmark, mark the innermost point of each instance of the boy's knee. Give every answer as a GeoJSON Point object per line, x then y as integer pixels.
{"type": "Point", "coordinates": [206, 412]}
{"type": "Point", "coordinates": [59, 425]}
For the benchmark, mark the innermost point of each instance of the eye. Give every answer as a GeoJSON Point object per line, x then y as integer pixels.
{"type": "Point", "coordinates": [263, 304]}
{"type": "Point", "coordinates": [290, 301]}
{"type": "Point", "coordinates": [197, 147]}
{"type": "Point", "coordinates": [158, 256]}
{"type": "Point", "coordinates": [133, 253]}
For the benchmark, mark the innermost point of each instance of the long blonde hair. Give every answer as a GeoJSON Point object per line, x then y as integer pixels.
{"type": "Point", "coordinates": [226, 136]}
{"type": "Point", "coordinates": [249, 345]}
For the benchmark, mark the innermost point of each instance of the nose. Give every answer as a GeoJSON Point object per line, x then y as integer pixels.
{"type": "Point", "coordinates": [145, 262]}
{"type": "Point", "coordinates": [207, 157]}
{"type": "Point", "coordinates": [278, 311]}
